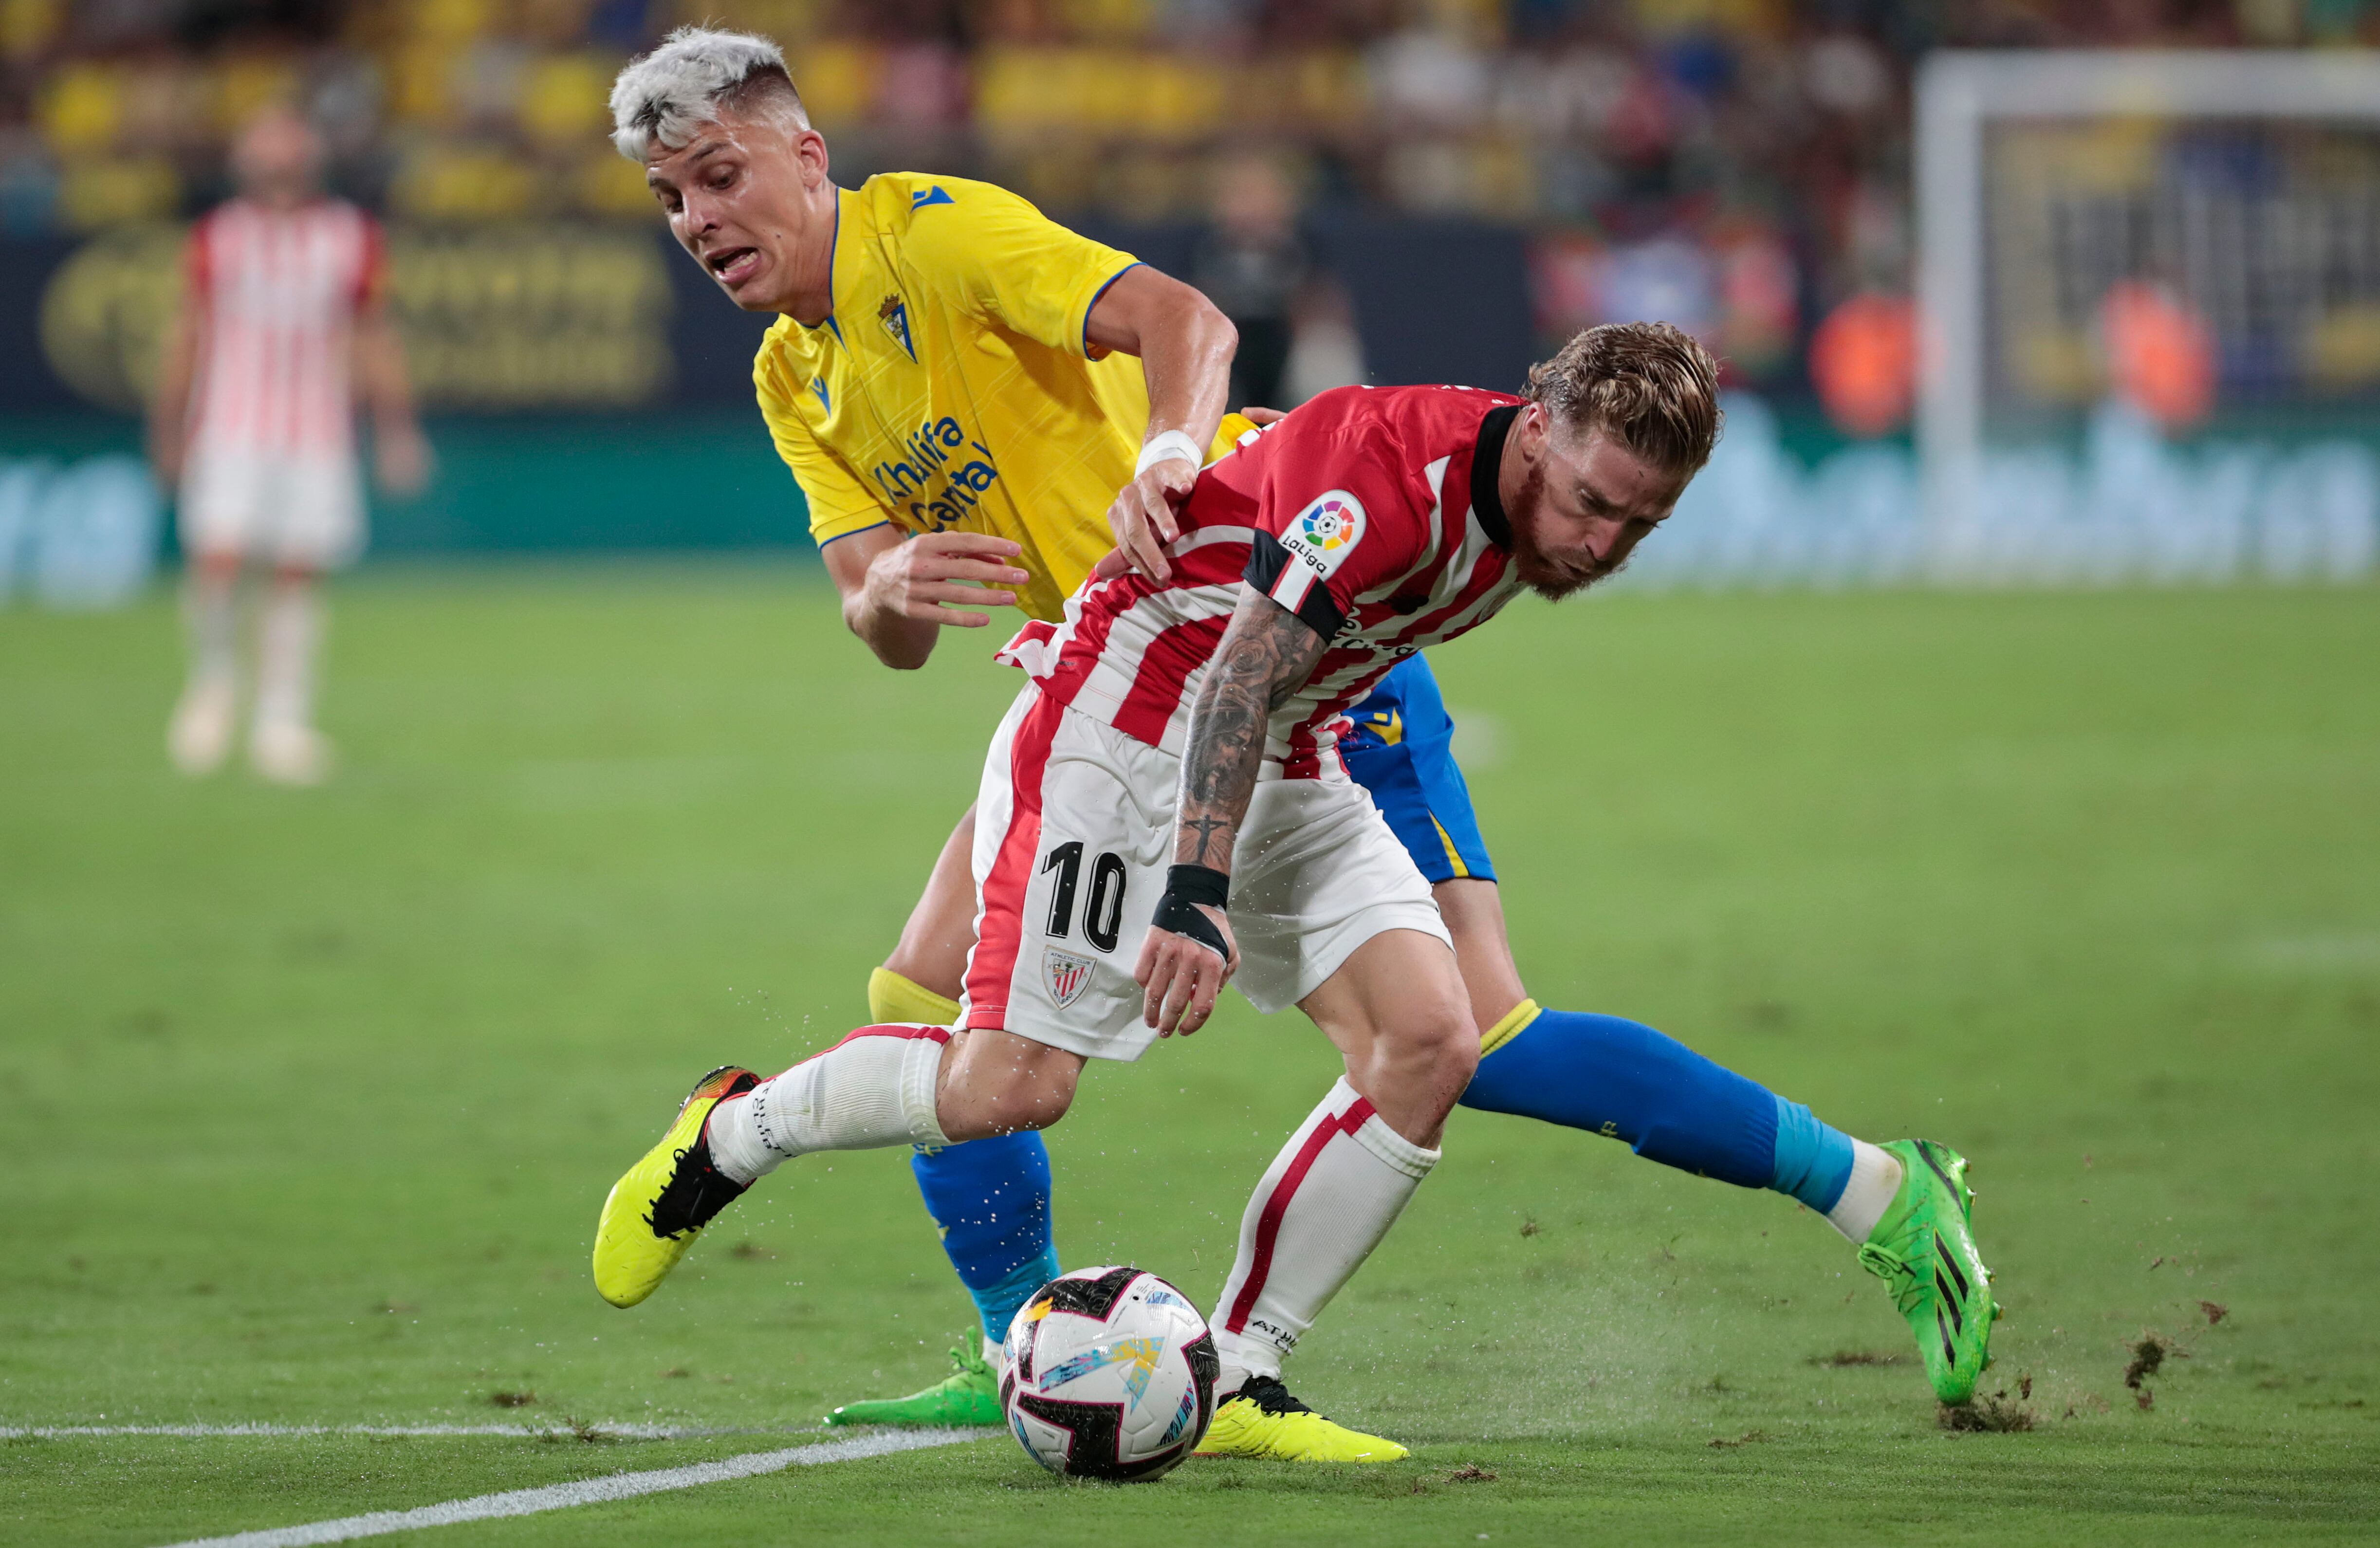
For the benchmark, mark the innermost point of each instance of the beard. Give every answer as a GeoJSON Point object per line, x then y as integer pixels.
{"type": "Point", "coordinates": [1537, 571]}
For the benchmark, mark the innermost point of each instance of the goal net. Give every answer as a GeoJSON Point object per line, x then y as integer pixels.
{"type": "Point", "coordinates": [2150, 290]}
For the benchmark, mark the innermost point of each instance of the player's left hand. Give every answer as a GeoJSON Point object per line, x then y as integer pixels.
{"type": "Point", "coordinates": [1183, 976]}
{"type": "Point", "coordinates": [1142, 517]}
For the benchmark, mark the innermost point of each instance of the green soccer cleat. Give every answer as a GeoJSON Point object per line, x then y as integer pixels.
{"type": "Point", "coordinates": [968, 1396]}
{"type": "Point", "coordinates": [1926, 1255]}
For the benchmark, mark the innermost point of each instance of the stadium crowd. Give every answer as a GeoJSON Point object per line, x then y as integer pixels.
{"type": "Point", "coordinates": [1739, 166]}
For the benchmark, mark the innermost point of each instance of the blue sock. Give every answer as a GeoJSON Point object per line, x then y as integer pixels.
{"type": "Point", "coordinates": [990, 1200]}
{"type": "Point", "coordinates": [1813, 1158]}
{"type": "Point", "coordinates": [1623, 1080]}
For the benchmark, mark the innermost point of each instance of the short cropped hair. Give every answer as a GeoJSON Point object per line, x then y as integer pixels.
{"type": "Point", "coordinates": [694, 75]}
{"type": "Point", "coordinates": [1648, 385]}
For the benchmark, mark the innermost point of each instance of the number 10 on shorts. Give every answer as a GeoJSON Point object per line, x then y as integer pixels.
{"type": "Point", "coordinates": [1066, 973]}
{"type": "Point", "coordinates": [1102, 912]}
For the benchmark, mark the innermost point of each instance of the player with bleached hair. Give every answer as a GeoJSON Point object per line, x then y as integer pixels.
{"type": "Point", "coordinates": [281, 335]}
{"type": "Point", "coordinates": [991, 312]}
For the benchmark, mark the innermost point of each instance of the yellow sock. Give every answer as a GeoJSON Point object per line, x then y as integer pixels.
{"type": "Point", "coordinates": [1515, 1021]}
{"type": "Point", "coordinates": [891, 997]}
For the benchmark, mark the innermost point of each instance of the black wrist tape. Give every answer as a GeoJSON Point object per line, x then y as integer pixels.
{"type": "Point", "coordinates": [1198, 884]}
{"type": "Point", "coordinates": [1185, 888]}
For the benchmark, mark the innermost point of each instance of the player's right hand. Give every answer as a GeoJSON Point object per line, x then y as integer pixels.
{"type": "Point", "coordinates": [1182, 977]}
{"type": "Point", "coordinates": [925, 576]}
{"type": "Point", "coordinates": [1142, 519]}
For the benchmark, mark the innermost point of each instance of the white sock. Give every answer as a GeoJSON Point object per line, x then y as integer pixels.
{"type": "Point", "coordinates": [287, 640]}
{"type": "Point", "coordinates": [1326, 1201]}
{"type": "Point", "coordinates": [874, 1088]}
{"type": "Point", "coordinates": [1875, 1178]}
{"type": "Point", "coordinates": [992, 1353]}
{"type": "Point", "coordinates": [210, 615]}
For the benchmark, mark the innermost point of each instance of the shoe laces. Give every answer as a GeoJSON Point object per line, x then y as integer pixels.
{"type": "Point", "coordinates": [1898, 1275]}
{"type": "Point", "coordinates": [970, 1361]}
{"type": "Point", "coordinates": [696, 1192]}
{"type": "Point", "coordinates": [1270, 1397]}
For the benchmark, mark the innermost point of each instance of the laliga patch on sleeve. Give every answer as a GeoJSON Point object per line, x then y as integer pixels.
{"type": "Point", "coordinates": [1326, 532]}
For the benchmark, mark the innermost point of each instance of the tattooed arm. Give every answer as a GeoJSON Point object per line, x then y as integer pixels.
{"type": "Point", "coordinates": [1267, 655]}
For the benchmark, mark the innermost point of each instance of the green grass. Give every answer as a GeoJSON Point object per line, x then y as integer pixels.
{"type": "Point", "coordinates": [307, 1099]}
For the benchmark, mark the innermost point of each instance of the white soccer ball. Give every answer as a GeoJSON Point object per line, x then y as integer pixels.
{"type": "Point", "coordinates": [1108, 1372]}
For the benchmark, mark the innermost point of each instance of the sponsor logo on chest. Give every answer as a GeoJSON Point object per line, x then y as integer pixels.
{"type": "Point", "coordinates": [941, 477]}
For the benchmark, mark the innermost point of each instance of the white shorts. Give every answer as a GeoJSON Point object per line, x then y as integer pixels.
{"type": "Point", "coordinates": [1073, 831]}
{"type": "Point", "coordinates": [271, 508]}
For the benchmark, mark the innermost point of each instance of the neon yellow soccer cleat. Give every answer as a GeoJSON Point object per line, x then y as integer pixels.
{"type": "Point", "coordinates": [655, 1213]}
{"type": "Point", "coordinates": [1262, 1420]}
{"type": "Point", "coordinates": [1926, 1255]}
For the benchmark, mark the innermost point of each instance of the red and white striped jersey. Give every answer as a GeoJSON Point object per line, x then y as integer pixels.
{"type": "Point", "coordinates": [279, 290]}
{"type": "Point", "coordinates": [1370, 512]}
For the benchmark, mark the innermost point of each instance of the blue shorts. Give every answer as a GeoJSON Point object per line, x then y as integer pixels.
{"type": "Point", "coordinates": [1402, 752]}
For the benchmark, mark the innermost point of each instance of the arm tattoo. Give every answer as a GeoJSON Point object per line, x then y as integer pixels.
{"type": "Point", "coordinates": [1267, 655]}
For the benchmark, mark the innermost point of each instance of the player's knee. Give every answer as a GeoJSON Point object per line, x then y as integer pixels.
{"type": "Point", "coordinates": [1010, 1096]}
{"type": "Point", "coordinates": [1454, 1047]}
{"type": "Point", "coordinates": [1431, 1052]}
{"type": "Point", "coordinates": [219, 567]}
{"type": "Point", "coordinates": [1029, 1106]}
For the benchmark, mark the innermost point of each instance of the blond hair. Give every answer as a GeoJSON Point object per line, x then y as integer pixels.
{"type": "Point", "coordinates": [694, 75]}
{"type": "Point", "coordinates": [1648, 385]}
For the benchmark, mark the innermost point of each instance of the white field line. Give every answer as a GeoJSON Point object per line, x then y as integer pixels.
{"type": "Point", "coordinates": [592, 1491]}
{"type": "Point", "coordinates": [626, 1432]}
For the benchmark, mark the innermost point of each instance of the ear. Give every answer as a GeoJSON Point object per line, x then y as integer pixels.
{"type": "Point", "coordinates": [1532, 431]}
{"type": "Point", "coordinates": [809, 148]}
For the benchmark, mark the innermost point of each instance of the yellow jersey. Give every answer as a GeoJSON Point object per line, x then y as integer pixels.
{"type": "Point", "coordinates": [952, 387]}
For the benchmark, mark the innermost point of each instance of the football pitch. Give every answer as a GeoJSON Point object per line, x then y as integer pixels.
{"type": "Point", "coordinates": [307, 1099]}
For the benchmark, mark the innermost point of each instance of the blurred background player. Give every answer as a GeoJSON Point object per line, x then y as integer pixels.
{"type": "Point", "coordinates": [281, 336]}
{"type": "Point", "coordinates": [1296, 333]}
{"type": "Point", "coordinates": [1253, 264]}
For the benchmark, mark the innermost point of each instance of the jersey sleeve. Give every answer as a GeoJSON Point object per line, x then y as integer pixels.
{"type": "Point", "coordinates": [995, 256]}
{"type": "Point", "coordinates": [1334, 519]}
{"type": "Point", "coordinates": [839, 504]}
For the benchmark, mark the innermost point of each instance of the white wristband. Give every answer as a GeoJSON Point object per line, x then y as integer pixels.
{"type": "Point", "coordinates": [1165, 446]}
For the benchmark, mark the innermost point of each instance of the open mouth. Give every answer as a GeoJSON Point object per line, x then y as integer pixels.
{"type": "Point", "coordinates": [732, 266]}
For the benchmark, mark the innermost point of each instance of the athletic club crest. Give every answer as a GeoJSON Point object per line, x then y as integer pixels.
{"type": "Point", "coordinates": [1065, 973]}
{"type": "Point", "coordinates": [894, 315]}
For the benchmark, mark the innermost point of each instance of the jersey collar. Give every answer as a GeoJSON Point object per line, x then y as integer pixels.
{"type": "Point", "coordinates": [833, 264]}
{"type": "Point", "coordinates": [1487, 462]}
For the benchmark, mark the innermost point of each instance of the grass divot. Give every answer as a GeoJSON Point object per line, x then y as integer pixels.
{"type": "Point", "coordinates": [1995, 1414]}
{"type": "Point", "coordinates": [2149, 1356]}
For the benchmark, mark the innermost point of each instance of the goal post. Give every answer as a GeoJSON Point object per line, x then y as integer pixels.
{"type": "Point", "coordinates": [2248, 181]}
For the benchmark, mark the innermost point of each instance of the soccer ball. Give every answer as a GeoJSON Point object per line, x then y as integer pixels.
{"type": "Point", "coordinates": [1110, 1373]}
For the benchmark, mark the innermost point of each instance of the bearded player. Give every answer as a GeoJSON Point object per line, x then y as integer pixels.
{"type": "Point", "coordinates": [1175, 751]}
{"type": "Point", "coordinates": [987, 309]}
